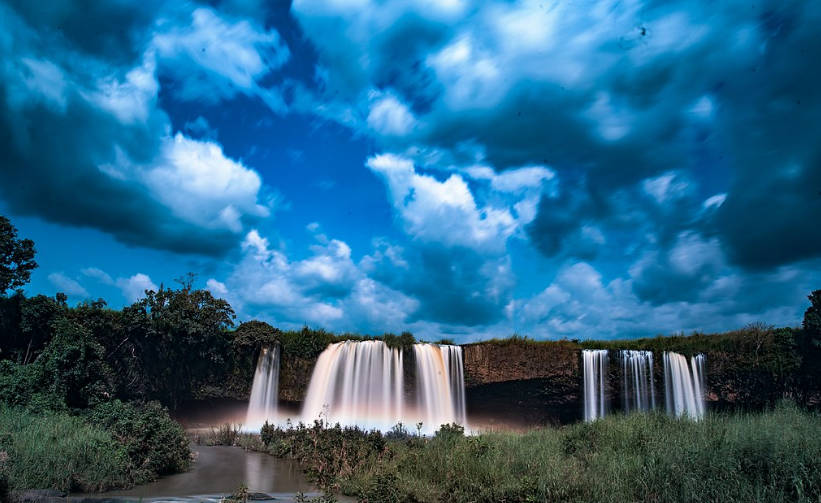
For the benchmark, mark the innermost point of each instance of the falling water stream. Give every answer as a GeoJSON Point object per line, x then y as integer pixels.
{"type": "Point", "coordinates": [684, 385]}
{"type": "Point", "coordinates": [595, 370]}
{"type": "Point", "coordinates": [265, 389]}
{"type": "Point", "coordinates": [638, 389]}
{"type": "Point", "coordinates": [362, 383]}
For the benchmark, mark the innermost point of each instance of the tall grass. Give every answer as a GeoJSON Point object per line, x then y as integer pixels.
{"type": "Point", "coordinates": [60, 452]}
{"type": "Point", "coordinates": [773, 456]}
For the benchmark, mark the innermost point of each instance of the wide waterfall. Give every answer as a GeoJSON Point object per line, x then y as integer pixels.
{"type": "Point", "coordinates": [263, 404]}
{"type": "Point", "coordinates": [684, 385]}
{"type": "Point", "coordinates": [595, 372]}
{"type": "Point", "coordinates": [357, 383]}
{"type": "Point", "coordinates": [638, 389]}
{"type": "Point", "coordinates": [362, 383]}
{"type": "Point", "coordinates": [440, 384]}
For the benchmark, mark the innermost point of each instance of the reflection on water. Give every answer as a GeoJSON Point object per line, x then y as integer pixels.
{"type": "Point", "coordinates": [219, 470]}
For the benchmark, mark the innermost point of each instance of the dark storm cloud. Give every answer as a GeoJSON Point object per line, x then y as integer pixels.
{"type": "Point", "coordinates": [453, 285]}
{"type": "Point", "coordinates": [49, 169]}
{"type": "Point", "coordinates": [771, 128]}
{"type": "Point", "coordinates": [612, 94]}
{"type": "Point", "coordinates": [113, 31]}
{"type": "Point", "coordinates": [82, 139]}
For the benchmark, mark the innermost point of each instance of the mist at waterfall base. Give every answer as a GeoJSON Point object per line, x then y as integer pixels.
{"type": "Point", "coordinates": [363, 383]}
{"type": "Point", "coordinates": [683, 383]}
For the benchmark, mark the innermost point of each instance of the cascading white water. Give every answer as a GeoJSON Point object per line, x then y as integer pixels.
{"type": "Point", "coordinates": [638, 389]}
{"type": "Point", "coordinates": [357, 383]}
{"type": "Point", "coordinates": [684, 385]}
{"type": "Point", "coordinates": [361, 383]}
{"type": "Point", "coordinates": [440, 385]}
{"type": "Point", "coordinates": [263, 404]}
{"type": "Point", "coordinates": [595, 371]}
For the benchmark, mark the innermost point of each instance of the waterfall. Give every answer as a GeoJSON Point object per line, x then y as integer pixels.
{"type": "Point", "coordinates": [357, 383]}
{"type": "Point", "coordinates": [684, 385]}
{"type": "Point", "coordinates": [263, 404]}
{"type": "Point", "coordinates": [595, 371]}
{"type": "Point", "coordinates": [638, 390]}
{"type": "Point", "coordinates": [440, 385]}
{"type": "Point", "coordinates": [361, 383]}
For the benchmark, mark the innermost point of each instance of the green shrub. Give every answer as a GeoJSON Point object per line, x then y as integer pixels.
{"type": "Point", "coordinates": [155, 444]}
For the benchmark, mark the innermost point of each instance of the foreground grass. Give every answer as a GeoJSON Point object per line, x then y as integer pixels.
{"type": "Point", "coordinates": [115, 445]}
{"type": "Point", "coordinates": [768, 457]}
{"type": "Point", "coordinates": [56, 451]}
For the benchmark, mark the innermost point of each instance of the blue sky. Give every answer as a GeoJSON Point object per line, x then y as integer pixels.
{"type": "Point", "coordinates": [592, 169]}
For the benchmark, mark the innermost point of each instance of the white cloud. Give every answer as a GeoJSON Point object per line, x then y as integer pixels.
{"type": "Point", "coordinates": [99, 275]}
{"type": "Point", "coordinates": [715, 201]}
{"type": "Point", "coordinates": [217, 289]}
{"type": "Point", "coordinates": [234, 56]}
{"type": "Point", "coordinates": [46, 79]}
{"type": "Point", "coordinates": [389, 116]}
{"type": "Point", "coordinates": [202, 186]}
{"type": "Point", "coordinates": [444, 212]}
{"type": "Point", "coordinates": [665, 188]}
{"type": "Point", "coordinates": [580, 304]}
{"type": "Point", "coordinates": [67, 285]}
{"type": "Point", "coordinates": [134, 288]}
{"type": "Point", "coordinates": [131, 100]}
{"type": "Point", "coordinates": [326, 289]}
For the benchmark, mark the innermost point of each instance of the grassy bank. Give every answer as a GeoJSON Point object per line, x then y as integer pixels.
{"type": "Point", "coordinates": [57, 451]}
{"type": "Point", "coordinates": [114, 445]}
{"type": "Point", "coordinates": [773, 457]}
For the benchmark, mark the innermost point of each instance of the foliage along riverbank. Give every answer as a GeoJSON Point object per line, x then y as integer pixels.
{"type": "Point", "coordinates": [114, 445]}
{"type": "Point", "coordinates": [773, 456]}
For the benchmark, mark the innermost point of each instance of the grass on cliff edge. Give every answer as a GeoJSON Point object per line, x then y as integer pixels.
{"type": "Point", "coordinates": [773, 456]}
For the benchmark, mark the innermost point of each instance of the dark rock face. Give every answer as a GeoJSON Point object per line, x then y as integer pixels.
{"type": "Point", "coordinates": [294, 377]}
{"type": "Point", "coordinates": [493, 363]}
{"type": "Point", "coordinates": [521, 385]}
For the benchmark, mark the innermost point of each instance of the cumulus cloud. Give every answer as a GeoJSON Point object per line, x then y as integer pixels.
{"type": "Point", "coordinates": [134, 288]}
{"type": "Point", "coordinates": [325, 289]}
{"type": "Point", "coordinates": [448, 212]}
{"type": "Point", "coordinates": [98, 274]}
{"type": "Point", "coordinates": [114, 166]}
{"type": "Point", "coordinates": [579, 303]}
{"type": "Point", "coordinates": [213, 58]}
{"type": "Point", "coordinates": [67, 285]}
{"type": "Point", "coordinates": [204, 187]}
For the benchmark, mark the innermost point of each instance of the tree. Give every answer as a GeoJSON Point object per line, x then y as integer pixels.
{"type": "Point", "coordinates": [180, 338]}
{"type": "Point", "coordinates": [812, 318]}
{"type": "Point", "coordinates": [16, 257]}
{"type": "Point", "coordinates": [255, 334]}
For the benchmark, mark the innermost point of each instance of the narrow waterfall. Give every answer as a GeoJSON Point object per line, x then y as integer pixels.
{"type": "Point", "coordinates": [595, 372]}
{"type": "Point", "coordinates": [263, 404]}
{"type": "Point", "coordinates": [440, 385]}
{"type": "Point", "coordinates": [638, 389]}
{"type": "Point", "coordinates": [357, 383]}
{"type": "Point", "coordinates": [684, 385]}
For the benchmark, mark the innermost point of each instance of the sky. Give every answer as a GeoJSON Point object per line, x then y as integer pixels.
{"type": "Point", "coordinates": [576, 169]}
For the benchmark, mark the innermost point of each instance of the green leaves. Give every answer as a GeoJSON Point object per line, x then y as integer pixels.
{"type": "Point", "coordinates": [16, 257]}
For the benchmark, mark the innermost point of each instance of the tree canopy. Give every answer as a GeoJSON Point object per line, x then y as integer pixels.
{"type": "Point", "coordinates": [16, 257]}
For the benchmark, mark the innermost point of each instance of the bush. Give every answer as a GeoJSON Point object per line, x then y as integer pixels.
{"type": "Point", "coordinates": [155, 444]}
